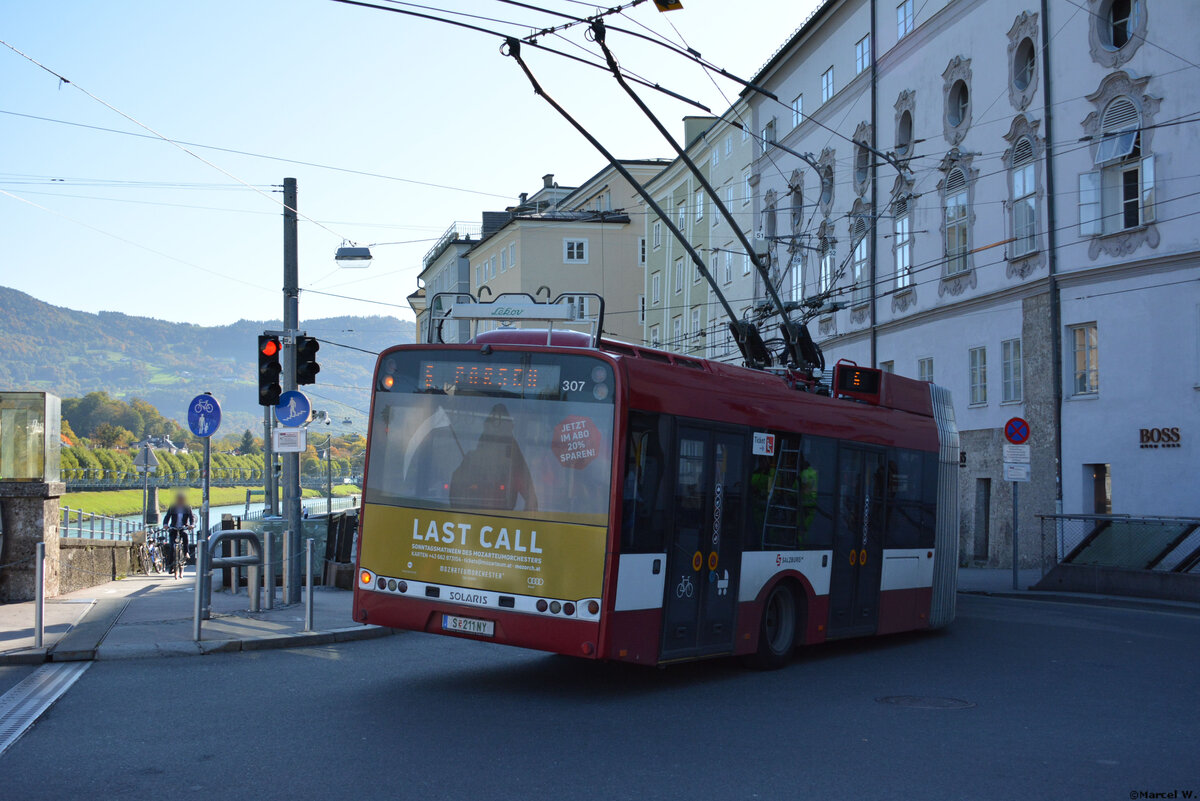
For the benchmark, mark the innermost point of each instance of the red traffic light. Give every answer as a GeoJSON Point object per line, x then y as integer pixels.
{"type": "Point", "coordinates": [270, 347]}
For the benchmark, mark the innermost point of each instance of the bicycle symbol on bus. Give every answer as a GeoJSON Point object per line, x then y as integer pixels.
{"type": "Point", "coordinates": [685, 587]}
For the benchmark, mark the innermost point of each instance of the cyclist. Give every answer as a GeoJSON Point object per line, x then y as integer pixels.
{"type": "Point", "coordinates": [177, 520]}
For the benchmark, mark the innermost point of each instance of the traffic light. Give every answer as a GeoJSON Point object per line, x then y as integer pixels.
{"type": "Point", "coordinates": [306, 360]}
{"type": "Point", "coordinates": [668, 5]}
{"type": "Point", "coordinates": [268, 370]}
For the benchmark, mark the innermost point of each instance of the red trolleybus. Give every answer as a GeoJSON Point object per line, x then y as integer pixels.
{"type": "Point", "coordinates": [559, 492]}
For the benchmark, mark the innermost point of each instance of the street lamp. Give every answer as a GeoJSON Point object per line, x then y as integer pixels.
{"type": "Point", "coordinates": [351, 256]}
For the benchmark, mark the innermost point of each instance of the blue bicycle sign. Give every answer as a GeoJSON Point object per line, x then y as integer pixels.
{"type": "Point", "coordinates": [204, 415]}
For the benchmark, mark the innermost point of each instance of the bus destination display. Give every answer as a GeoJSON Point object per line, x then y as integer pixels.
{"type": "Point", "coordinates": [520, 379]}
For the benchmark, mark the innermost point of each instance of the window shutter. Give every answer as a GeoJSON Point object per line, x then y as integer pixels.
{"type": "Point", "coordinates": [955, 181]}
{"type": "Point", "coordinates": [1120, 115]}
{"type": "Point", "coordinates": [1148, 189]}
{"type": "Point", "coordinates": [1023, 152]}
{"type": "Point", "coordinates": [1089, 204]}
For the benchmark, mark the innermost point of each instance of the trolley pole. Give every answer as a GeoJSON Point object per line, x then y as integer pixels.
{"type": "Point", "coordinates": [269, 484]}
{"type": "Point", "coordinates": [291, 322]}
{"type": "Point", "coordinates": [1015, 549]}
{"type": "Point", "coordinates": [39, 597]}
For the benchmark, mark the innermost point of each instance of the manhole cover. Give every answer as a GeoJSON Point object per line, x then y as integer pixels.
{"type": "Point", "coordinates": [925, 702]}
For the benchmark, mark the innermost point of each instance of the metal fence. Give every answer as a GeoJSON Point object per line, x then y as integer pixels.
{"type": "Point", "coordinates": [1165, 544]}
{"type": "Point", "coordinates": [85, 525]}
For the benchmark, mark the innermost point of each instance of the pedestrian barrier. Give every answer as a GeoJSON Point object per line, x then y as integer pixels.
{"type": "Point", "coordinates": [205, 562]}
{"type": "Point", "coordinates": [85, 525]}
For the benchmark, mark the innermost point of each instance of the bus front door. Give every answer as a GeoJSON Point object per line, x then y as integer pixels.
{"type": "Point", "coordinates": [858, 543]}
{"type": "Point", "coordinates": [704, 548]}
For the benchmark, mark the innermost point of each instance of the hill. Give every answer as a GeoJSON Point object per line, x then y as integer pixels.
{"type": "Point", "coordinates": [71, 353]}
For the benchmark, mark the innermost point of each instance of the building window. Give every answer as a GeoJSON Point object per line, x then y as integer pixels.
{"type": "Point", "coordinates": [745, 264]}
{"type": "Point", "coordinates": [696, 276]}
{"type": "Point", "coordinates": [678, 276]}
{"type": "Point", "coordinates": [1024, 198]}
{"type": "Point", "coordinates": [797, 110]}
{"type": "Point", "coordinates": [904, 19]}
{"type": "Point", "coordinates": [479, 275]}
{"type": "Point", "coordinates": [1120, 195]}
{"type": "Point", "coordinates": [492, 267]}
{"type": "Point", "coordinates": [862, 54]}
{"type": "Point", "coordinates": [958, 106]}
{"type": "Point", "coordinates": [956, 220]}
{"type": "Point", "coordinates": [1120, 22]}
{"type": "Point", "coordinates": [579, 306]}
{"type": "Point", "coordinates": [656, 288]}
{"type": "Point", "coordinates": [747, 189]}
{"type": "Point", "coordinates": [827, 256]}
{"type": "Point", "coordinates": [512, 255]}
{"type": "Point", "coordinates": [860, 261]}
{"type": "Point", "coordinates": [641, 251]}
{"type": "Point", "coordinates": [904, 133]}
{"type": "Point", "coordinates": [827, 85]}
{"type": "Point", "coordinates": [655, 336]}
{"type": "Point", "coordinates": [1010, 369]}
{"type": "Point", "coordinates": [657, 234]}
{"type": "Point", "coordinates": [768, 135]}
{"type": "Point", "coordinates": [728, 267]}
{"type": "Point", "coordinates": [728, 145]}
{"type": "Point", "coordinates": [504, 260]}
{"type": "Point", "coordinates": [695, 330]}
{"type": "Point", "coordinates": [902, 242]}
{"type": "Point", "coordinates": [1087, 369]}
{"type": "Point", "coordinates": [681, 218]}
{"type": "Point", "coordinates": [888, 366]}
{"type": "Point", "coordinates": [641, 309]}
{"type": "Point", "coordinates": [575, 251]}
{"type": "Point", "coordinates": [797, 271]}
{"type": "Point", "coordinates": [1024, 63]}
{"type": "Point", "coordinates": [925, 369]}
{"type": "Point", "coordinates": [676, 332]}
{"type": "Point", "coordinates": [978, 364]}
{"type": "Point", "coordinates": [699, 196]}
{"type": "Point", "coordinates": [729, 197]}
{"type": "Point", "coordinates": [716, 156]}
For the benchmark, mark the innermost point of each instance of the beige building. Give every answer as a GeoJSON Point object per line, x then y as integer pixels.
{"type": "Point", "coordinates": [587, 239]}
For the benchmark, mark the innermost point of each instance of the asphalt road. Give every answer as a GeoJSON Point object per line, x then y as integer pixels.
{"type": "Point", "coordinates": [1069, 702]}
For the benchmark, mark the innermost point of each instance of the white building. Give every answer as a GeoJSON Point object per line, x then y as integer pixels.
{"type": "Point", "coordinates": [1030, 243]}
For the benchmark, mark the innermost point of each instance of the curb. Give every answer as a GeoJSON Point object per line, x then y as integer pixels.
{"type": "Point", "coordinates": [108, 653]}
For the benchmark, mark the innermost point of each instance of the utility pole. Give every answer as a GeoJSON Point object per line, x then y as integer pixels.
{"type": "Point", "coordinates": [291, 322]}
{"type": "Point", "coordinates": [328, 476]}
{"type": "Point", "coordinates": [269, 484]}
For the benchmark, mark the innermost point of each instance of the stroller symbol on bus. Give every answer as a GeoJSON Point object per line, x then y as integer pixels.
{"type": "Point", "coordinates": [723, 584]}
{"type": "Point", "coordinates": [685, 587]}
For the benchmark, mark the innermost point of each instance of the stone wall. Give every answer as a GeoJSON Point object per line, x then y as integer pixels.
{"type": "Point", "coordinates": [28, 515]}
{"type": "Point", "coordinates": [85, 563]}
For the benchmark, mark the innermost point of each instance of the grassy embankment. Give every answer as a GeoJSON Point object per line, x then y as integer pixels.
{"type": "Point", "coordinates": [129, 502]}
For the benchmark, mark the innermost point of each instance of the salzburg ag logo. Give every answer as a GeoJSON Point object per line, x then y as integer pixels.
{"type": "Point", "coordinates": [778, 559]}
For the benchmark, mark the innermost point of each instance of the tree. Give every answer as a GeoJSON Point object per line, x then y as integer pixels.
{"type": "Point", "coordinates": [248, 445]}
{"type": "Point", "coordinates": [108, 435]}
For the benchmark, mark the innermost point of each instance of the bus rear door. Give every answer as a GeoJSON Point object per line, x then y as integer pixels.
{"type": "Point", "coordinates": [858, 542]}
{"type": "Point", "coordinates": [704, 544]}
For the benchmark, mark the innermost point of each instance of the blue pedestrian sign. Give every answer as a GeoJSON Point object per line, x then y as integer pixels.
{"type": "Point", "coordinates": [204, 415]}
{"type": "Point", "coordinates": [1016, 431]}
{"type": "Point", "coordinates": [294, 409]}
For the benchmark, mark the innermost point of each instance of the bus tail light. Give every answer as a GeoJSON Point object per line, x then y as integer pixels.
{"type": "Point", "coordinates": [593, 608]}
{"type": "Point", "coordinates": [541, 605]}
{"type": "Point", "coordinates": [555, 607]}
{"type": "Point", "coordinates": [568, 608]}
{"type": "Point", "coordinates": [365, 578]}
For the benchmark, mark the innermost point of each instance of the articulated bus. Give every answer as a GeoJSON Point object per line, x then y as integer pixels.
{"type": "Point", "coordinates": [560, 492]}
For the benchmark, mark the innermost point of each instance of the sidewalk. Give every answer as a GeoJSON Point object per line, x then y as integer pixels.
{"type": "Point", "coordinates": [153, 618]}
{"type": "Point", "coordinates": [998, 582]}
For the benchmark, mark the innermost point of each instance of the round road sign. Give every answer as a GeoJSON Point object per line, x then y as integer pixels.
{"type": "Point", "coordinates": [204, 415]}
{"type": "Point", "coordinates": [1016, 431]}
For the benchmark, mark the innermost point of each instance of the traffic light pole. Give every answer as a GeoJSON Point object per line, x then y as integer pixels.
{"type": "Point", "coordinates": [291, 322]}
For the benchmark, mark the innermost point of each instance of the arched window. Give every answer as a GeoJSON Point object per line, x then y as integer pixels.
{"type": "Point", "coordinates": [1120, 194]}
{"type": "Point", "coordinates": [904, 134]}
{"type": "Point", "coordinates": [827, 256]}
{"type": "Point", "coordinates": [902, 242]}
{"type": "Point", "coordinates": [1024, 62]}
{"type": "Point", "coordinates": [860, 263]}
{"type": "Point", "coordinates": [797, 275]}
{"type": "Point", "coordinates": [956, 221]}
{"type": "Point", "coordinates": [1024, 198]}
{"type": "Point", "coordinates": [1121, 21]}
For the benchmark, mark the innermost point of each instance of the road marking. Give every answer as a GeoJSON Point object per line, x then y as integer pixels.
{"type": "Point", "coordinates": [25, 703]}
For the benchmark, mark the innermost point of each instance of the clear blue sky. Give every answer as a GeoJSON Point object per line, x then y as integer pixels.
{"type": "Point", "coordinates": [310, 80]}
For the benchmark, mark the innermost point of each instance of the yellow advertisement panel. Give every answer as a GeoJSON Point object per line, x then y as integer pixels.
{"type": "Point", "coordinates": [485, 551]}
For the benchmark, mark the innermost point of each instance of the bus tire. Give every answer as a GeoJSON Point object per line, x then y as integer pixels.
{"type": "Point", "coordinates": [777, 630]}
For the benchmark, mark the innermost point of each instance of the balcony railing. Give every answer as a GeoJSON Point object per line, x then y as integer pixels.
{"type": "Point", "coordinates": [456, 232]}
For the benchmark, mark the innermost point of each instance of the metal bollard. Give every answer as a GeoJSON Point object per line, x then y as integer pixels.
{"type": "Point", "coordinates": [201, 560]}
{"type": "Point", "coordinates": [39, 598]}
{"type": "Point", "coordinates": [268, 570]}
{"type": "Point", "coordinates": [308, 584]}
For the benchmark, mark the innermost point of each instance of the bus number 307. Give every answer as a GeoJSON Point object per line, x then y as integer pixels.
{"type": "Point", "coordinates": [573, 386]}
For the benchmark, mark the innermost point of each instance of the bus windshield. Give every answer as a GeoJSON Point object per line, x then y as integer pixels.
{"type": "Point", "coordinates": [529, 433]}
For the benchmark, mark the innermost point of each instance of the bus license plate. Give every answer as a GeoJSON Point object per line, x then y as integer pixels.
{"type": "Point", "coordinates": [468, 625]}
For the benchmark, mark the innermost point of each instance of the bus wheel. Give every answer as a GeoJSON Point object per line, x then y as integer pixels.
{"type": "Point", "coordinates": [777, 633]}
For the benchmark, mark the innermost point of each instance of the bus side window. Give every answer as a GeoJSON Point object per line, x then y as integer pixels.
{"type": "Point", "coordinates": [929, 491]}
{"type": "Point", "coordinates": [905, 494]}
{"type": "Point", "coordinates": [644, 500]}
{"type": "Point", "coordinates": [817, 490]}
